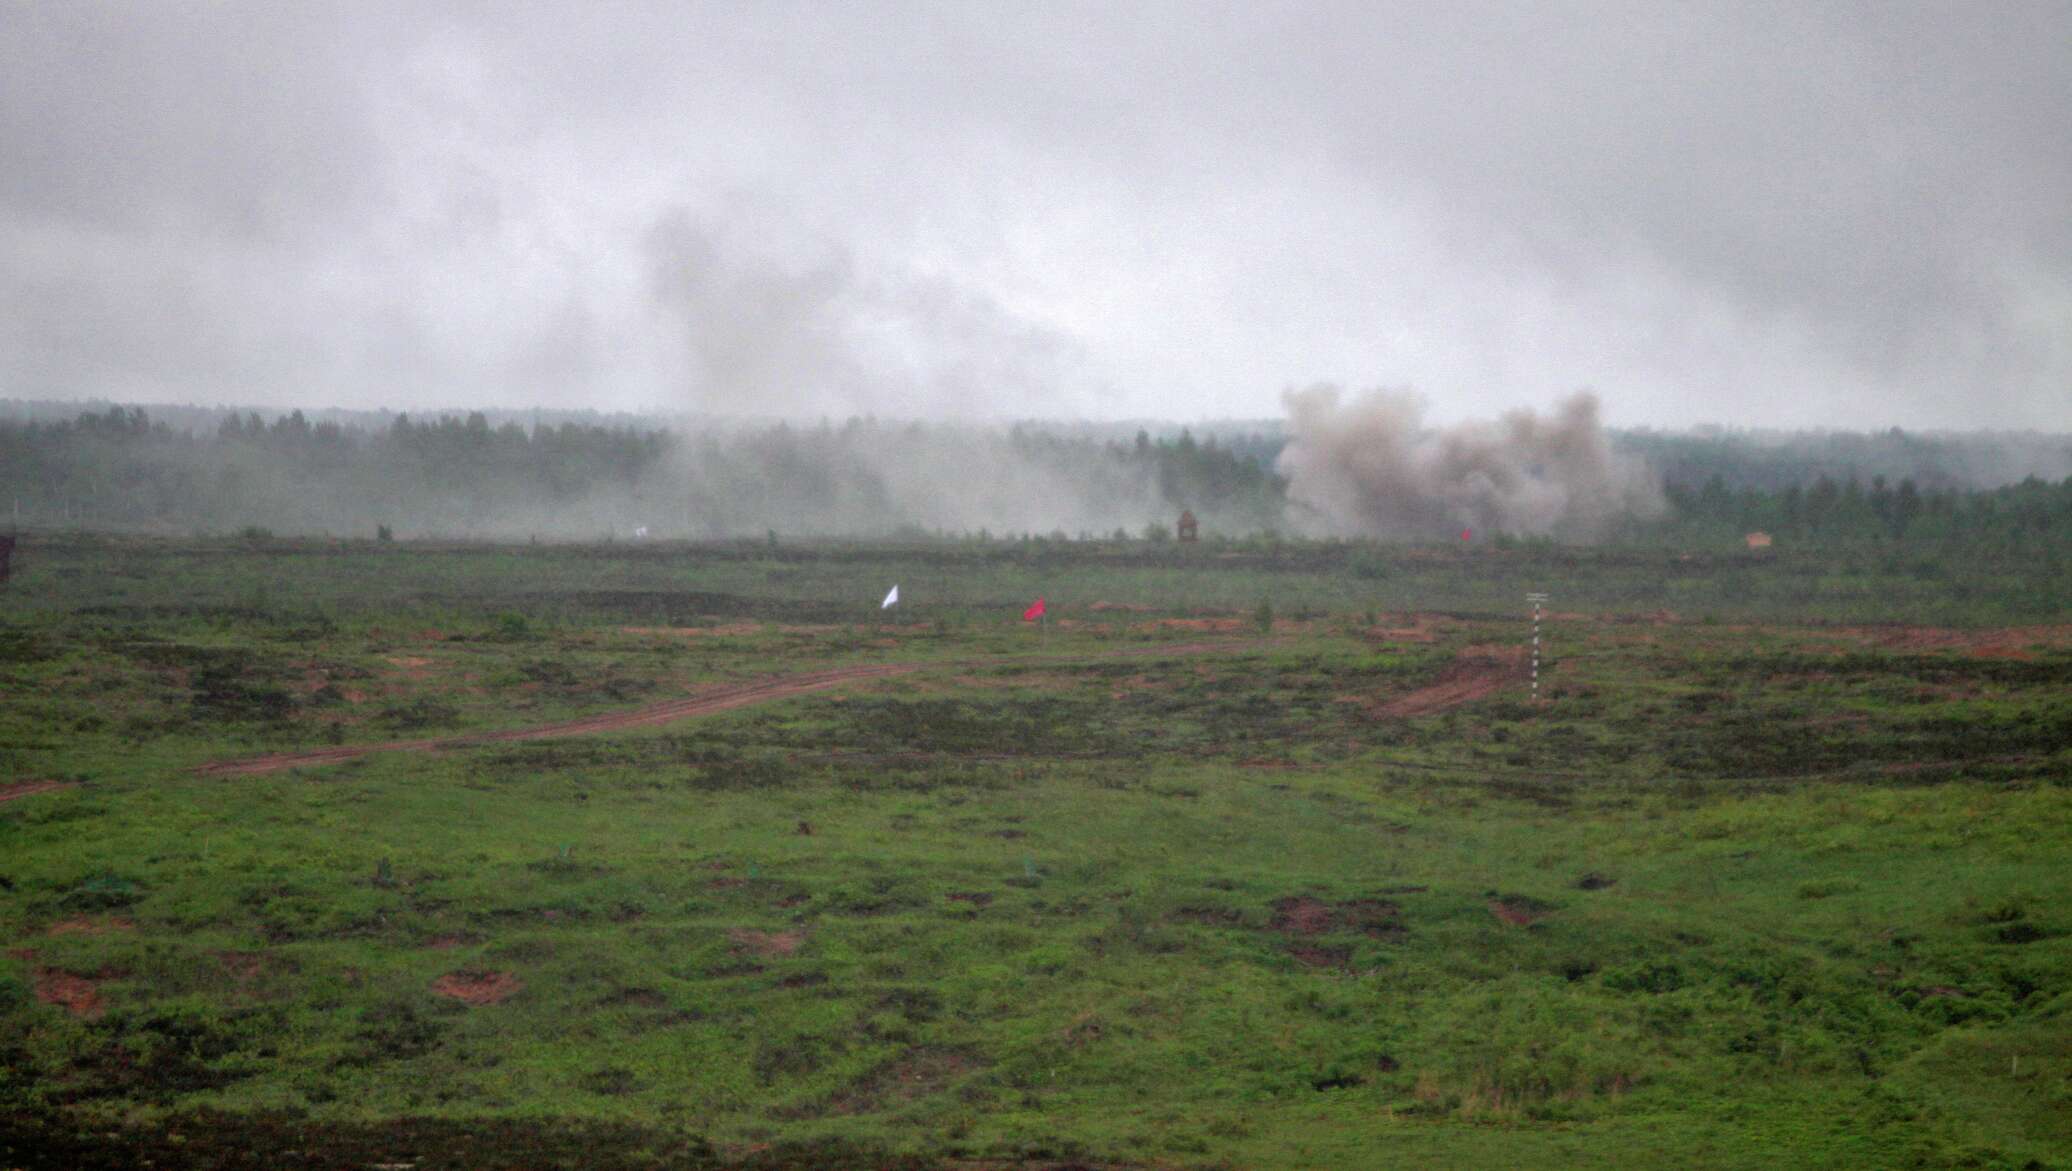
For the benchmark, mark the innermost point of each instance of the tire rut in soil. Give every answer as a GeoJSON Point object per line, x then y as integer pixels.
{"type": "Point", "coordinates": [669, 711]}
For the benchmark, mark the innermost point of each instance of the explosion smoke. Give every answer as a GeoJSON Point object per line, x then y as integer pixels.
{"type": "Point", "coordinates": [1369, 467]}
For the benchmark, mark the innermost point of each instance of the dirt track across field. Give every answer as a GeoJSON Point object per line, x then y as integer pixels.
{"type": "Point", "coordinates": [1478, 673]}
{"type": "Point", "coordinates": [19, 789]}
{"type": "Point", "coordinates": [718, 699]}
{"type": "Point", "coordinates": [705, 703]}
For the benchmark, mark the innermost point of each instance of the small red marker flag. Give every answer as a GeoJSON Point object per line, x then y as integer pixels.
{"type": "Point", "coordinates": [1465, 534]}
{"type": "Point", "coordinates": [1034, 612]}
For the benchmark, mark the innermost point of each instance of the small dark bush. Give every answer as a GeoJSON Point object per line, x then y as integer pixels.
{"type": "Point", "coordinates": [227, 690]}
{"type": "Point", "coordinates": [394, 1031]}
{"type": "Point", "coordinates": [1645, 977]}
{"type": "Point", "coordinates": [106, 891]}
{"type": "Point", "coordinates": [2019, 932]}
{"type": "Point", "coordinates": [420, 713]}
{"type": "Point", "coordinates": [611, 1081]}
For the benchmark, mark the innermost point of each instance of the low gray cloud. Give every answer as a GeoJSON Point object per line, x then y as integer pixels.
{"type": "Point", "coordinates": [816, 333]}
{"type": "Point", "coordinates": [1775, 213]}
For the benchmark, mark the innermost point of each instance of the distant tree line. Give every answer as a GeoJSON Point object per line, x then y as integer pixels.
{"type": "Point", "coordinates": [462, 475]}
{"type": "Point", "coordinates": [2033, 511]}
{"type": "Point", "coordinates": [459, 475]}
{"type": "Point", "coordinates": [1773, 461]}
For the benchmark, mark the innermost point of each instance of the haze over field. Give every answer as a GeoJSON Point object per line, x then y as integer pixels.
{"type": "Point", "coordinates": [1781, 215]}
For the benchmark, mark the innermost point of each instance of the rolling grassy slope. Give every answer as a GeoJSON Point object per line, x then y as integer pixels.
{"type": "Point", "coordinates": [1149, 887]}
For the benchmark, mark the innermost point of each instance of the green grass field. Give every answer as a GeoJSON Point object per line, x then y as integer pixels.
{"type": "Point", "coordinates": [1767, 879]}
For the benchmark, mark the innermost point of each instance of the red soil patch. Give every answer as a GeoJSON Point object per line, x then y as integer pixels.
{"type": "Point", "coordinates": [243, 966]}
{"type": "Point", "coordinates": [727, 629]}
{"type": "Point", "coordinates": [1421, 628]}
{"type": "Point", "coordinates": [476, 987]}
{"type": "Point", "coordinates": [1477, 673]}
{"type": "Point", "coordinates": [1137, 683]}
{"type": "Point", "coordinates": [1513, 913]}
{"type": "Point", "coordinates": [82, 925]}
{"type": "Point", "coordinates": [1313, 956]}
{"type": "Point", "coordinates": [1084, 1030]}
{"type": "Point", "coordinates": [78, 995]}
{"type": "Point", "coordinates": [1301, 915]}
{"type": "Point", "coordinates": [766, 943]}
{"type": "Point", "coordinates": [2013, 642]}
{"type": "Point", "coordinates": [1217, 625]}
{"type": "Point", "coordinates": [1373, 917]}
{"type": "Point", "coordinates": [918, 1074]}
{"type": "Point", "coordinates": [15, 790]}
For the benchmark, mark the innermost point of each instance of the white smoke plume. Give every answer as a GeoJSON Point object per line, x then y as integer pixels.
{"type": "Point", "coordinates": [1370, 467]}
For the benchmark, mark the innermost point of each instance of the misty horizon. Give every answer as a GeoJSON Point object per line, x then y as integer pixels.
{"type": "Point", "coordinates": [1366, 465]}
{"type": "Point", "coordinates": [1815, 215]}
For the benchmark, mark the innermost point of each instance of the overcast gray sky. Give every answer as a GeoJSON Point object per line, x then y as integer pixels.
{"type": "Point", "coordinates": [1842, 214]}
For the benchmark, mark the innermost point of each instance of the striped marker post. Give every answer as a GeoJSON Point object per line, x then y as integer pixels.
{"type": "Point", "coordinates": [1537, 601]}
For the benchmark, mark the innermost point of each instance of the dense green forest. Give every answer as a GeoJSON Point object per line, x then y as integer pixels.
{"type": "Point", "coordinates": [462, 476]}
{"type": "Point", "coordinates": [468, 476]}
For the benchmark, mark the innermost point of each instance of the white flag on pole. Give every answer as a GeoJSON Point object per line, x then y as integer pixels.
{"type": "Point", "coordinates": [891, 599]}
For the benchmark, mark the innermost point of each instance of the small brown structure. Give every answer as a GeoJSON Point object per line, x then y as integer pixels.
{"type": "Point", "coordinates": [6, 552]}
{"type": "Point", "coordinates": [1758, 540]}
{"type": "Point", "coordinates": [1190, 530]}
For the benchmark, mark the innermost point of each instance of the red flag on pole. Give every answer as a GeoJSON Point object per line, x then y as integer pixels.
{"type": "Point", "coordinates": [1465, 534]}
{"type": "Point", "coordinates": [1034, 612]}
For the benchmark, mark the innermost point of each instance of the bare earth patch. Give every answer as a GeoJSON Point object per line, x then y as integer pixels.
{"type": "Point", "coordinates": [1417, 628]}
{"type": "Point", "coordinates": [1301, 916]}
{"type": "Point", "coordinates": [1477, 673]}
{"type": "Point", "coordinates": [83, 925]}
{"type": "Point", "coordinates": [722, 631]}
{"type": "Point", "coordinates": [1313, 955]}
{"type": "Point", "coordinates": [1218, 625]}
{"type": "Point", "coordinates": [15, 790]}
{"type": "Point", "coordinates": [246, 967]}
{"type": "Point", "coordinates": [2013, 642]}
{"type": "Point", "coordinates": [1516, 912]}
{"type": "Point", "coordinates": [766, 943]}
{"type": "Point", "coordinates": [477, 987]}
{"type": "Point", "coordinates": [916, 1074]}
{"type": "Point", "coordinates": [78, 995]}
